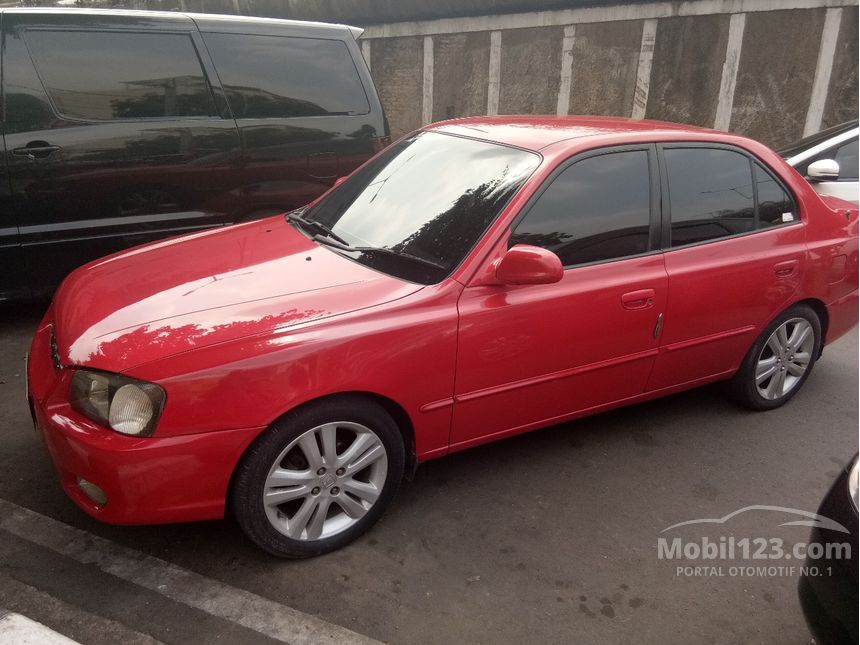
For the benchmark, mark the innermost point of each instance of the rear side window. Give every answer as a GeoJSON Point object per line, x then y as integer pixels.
{"type": "Point", "coordinates": [278, 76]}
{"type": "Point", "coordinates": [596, 209]}
{"type": "Point", "coordinates": [710, 194]}
{"type": "Point", "coordinates": [105, 75]}
{"type": "Point", "coordinates": [774, 204]}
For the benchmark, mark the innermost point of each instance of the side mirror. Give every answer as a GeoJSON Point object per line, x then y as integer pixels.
{"type": "Point", "coordinates": [339, 181]}
{"type": "Point", "coordinates": [527, 264]}
{"type": "Point", "coordinates": [823, 170]}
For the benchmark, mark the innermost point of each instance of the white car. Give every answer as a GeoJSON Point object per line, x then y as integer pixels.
{"type": "Point", "coordinates": [828, 160]}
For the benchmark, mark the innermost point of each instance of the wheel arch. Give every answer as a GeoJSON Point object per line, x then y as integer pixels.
{"type": "Point", "coordinates": [820, 310]}
{"type": "Point", "coordinates": [392, 407]}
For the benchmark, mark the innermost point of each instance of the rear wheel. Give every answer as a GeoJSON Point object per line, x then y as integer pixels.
{"type": "Point", "coordinates": [780, 361]}
{"type": "Point", "coordinates": [319, 478]}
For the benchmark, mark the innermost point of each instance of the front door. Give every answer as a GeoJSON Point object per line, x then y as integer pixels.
{"type": "Point", "coordinates": [530, 355]}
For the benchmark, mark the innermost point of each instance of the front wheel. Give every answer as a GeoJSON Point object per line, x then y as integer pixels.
{"type": "Point", "coordinates": [319, 478]}
{"type": "Point", "coordinates": [780, 361]}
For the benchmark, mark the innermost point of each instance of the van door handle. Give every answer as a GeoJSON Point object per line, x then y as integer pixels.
{"type": "Point", "coordinates": [641, 299]}
{"type": "Point", "coordinates": [785, 269]}
{"type": "Point", "coordinates": [36, 150]}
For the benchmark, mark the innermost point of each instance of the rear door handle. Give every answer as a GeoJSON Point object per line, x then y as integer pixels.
{"type": "Point", "coordinates": [36, 150]}
{"type": "Point", "coordinates": [641, 299]}
{"type": "Point", "coordinates": [785, 269]}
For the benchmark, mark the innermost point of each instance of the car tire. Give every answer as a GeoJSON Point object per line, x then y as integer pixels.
{"type": "Point", "coordinates": [790, 342]}
{"type": "Point", "coordinates": [319, 477]}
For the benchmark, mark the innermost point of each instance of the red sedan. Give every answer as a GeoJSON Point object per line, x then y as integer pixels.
{"type": "Point", "coordinates": [477, 279]}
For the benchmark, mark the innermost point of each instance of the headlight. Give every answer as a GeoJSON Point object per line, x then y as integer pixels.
{"type": "Point", "coordinates": [127, 405]}
{"type": "Point", "coordinates": [852, 484]}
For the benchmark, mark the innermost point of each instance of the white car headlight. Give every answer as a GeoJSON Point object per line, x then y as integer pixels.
{"type": "Point", "coordinates": [852, 484]}
{"type": "Point", "coordinates": [124, 404]}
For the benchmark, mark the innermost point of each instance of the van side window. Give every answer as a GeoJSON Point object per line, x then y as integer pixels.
{"type": "Point", "coordinates": [596, 209]}
{"type": "Point", "coordinates": [774, 204]}
{"type": "Point", "coordinates": [279, 76]}
{"type": "Point", "coordinates": [136, 75]}
{"type": "Point", "coordinates": [710, 194]}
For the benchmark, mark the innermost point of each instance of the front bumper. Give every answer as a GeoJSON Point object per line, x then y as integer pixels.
{"type": "Point", "coordinates": [146, 480]}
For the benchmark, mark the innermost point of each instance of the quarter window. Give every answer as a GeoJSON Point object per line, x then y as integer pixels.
{"type": "Point", "coordinates": [774, 204]}
{"type": "Point", "coordinates": [596, 209]}
{"type": "Point", "coordinates": [138, 75]}
{"type": "Point", "coordinates": [277, 76]}
{"type": "Point", "coordinates": [710, 194]}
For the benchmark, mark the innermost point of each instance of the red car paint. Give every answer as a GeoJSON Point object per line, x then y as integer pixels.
{"type": "Point", "coordinates": [242, 324]}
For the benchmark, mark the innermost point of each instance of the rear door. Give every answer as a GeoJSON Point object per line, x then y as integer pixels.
{"type": "Point", "coordinates": [114, 136]}
{"type": "Point", "coordinates": [304, 104]}
{"type": "Point", "coordinates": [735, 253]}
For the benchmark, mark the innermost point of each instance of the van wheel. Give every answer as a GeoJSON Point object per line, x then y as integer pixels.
{"type": "Point", "coordinates": [318, 478]}
{"type": "Point", "coordinates": [780, 361]}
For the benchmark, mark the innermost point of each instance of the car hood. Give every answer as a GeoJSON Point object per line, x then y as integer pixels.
{"type": "Point", "coordinates": [177, 295]}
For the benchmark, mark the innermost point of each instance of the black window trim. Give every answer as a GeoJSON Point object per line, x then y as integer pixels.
{"type": "Point", "coordinates": [189, 32]}
{"type": "Point", "coordinates": [654, 206]}
{"type": "Point", "coordinates": [666, 238]}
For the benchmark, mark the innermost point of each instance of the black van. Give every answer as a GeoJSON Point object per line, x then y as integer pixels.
{"type": "Point", "coordinates": [123, 127]}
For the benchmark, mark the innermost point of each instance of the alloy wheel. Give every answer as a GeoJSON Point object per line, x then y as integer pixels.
{"type": "Point", "coordinates": [325, 481]}
{"type": "Point", "coordinates": [784, 358]}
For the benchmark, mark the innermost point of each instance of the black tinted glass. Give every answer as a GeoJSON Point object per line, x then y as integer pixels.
{"type": "Point", "coordinates": [431, 196]}
{"type": "Point", "coordinates": [710, 193]}
{"type": "Point", "coordinates": [774, 205]}
{"type": "Point", "coordinates": [597, 209]}
{"type": "Point", "coordinates": [276, 76]}
{"type": "Point", "coordinates": [121, 75]}
{"type": "Point", "coordinates": [846, 157]}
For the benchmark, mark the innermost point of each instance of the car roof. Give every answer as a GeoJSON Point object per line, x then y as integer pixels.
{"type": "Point", "coordinates": [210, 19]}
{"type": "Point", "coordinates": [797, 148]}
{"type": "Point", "coordinates": [538, 132]}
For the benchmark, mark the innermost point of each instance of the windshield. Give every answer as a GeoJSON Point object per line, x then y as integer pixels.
{"type": "Point", "coordinates": [814, 139]}
{"type": "Point", "coordinates": [430, 197]}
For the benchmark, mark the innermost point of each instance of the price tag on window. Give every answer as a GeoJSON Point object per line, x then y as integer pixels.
{"type": "Point", "coordinates": [788, 217]}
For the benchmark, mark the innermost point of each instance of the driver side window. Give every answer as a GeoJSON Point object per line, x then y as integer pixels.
{"type": "Point", "coordinates": [597, 209]}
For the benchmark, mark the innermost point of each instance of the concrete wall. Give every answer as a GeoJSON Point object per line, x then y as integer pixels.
{"type": "Point", "coordinates": [773, 70]}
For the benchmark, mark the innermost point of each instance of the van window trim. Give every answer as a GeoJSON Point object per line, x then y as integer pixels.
{"type": "Point", "coordinates": [666, 238]}
{"type": "Point", "coordinates": [155, 119]}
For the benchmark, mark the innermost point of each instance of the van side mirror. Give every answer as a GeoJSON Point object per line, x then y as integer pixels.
{"type": "Point", "coordinates": [527, 264]}
{"type": "Point", "coordinates": [823, 170]}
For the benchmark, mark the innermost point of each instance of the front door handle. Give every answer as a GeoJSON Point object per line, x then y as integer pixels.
{"type": "Point", "coordinates": [785, 269]}
{"type": "Point", "coordinates": [36, 150]}
{"type": "Point", "coordinates": [641, 299]}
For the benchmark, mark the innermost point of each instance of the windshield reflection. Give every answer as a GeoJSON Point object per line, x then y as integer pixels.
{"type": "Point", "coordinates": [431, 196]}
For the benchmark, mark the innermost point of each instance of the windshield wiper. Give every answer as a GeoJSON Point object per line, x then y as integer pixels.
{"type": "Point", "coordinates": [296, 217]}
{"type": "Point", "coordinates": [379, 250]}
